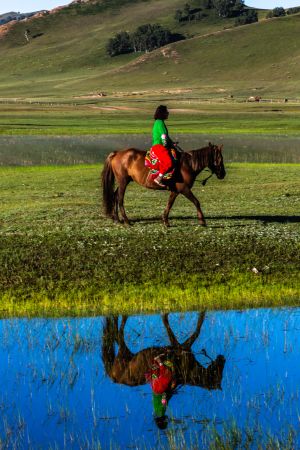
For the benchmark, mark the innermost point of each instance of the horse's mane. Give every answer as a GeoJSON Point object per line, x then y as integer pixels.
{"type": "Point", "coordinates": [198, 159]}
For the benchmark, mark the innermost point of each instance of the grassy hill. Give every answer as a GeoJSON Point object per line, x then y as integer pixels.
{"type": "Point", "coordinates": [66, 55]}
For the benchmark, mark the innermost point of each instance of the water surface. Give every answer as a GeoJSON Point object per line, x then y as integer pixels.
{"type": "Point", "coordinates": [60, 387]}
{"type": "Point", "coordinates": [44, 150]}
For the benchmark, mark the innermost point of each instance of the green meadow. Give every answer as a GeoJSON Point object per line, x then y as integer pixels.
{"type": "Point", "coordinates": [135, 116]}
{"type": "Point", "coordinates": [66, 57]}
{"type": "Point", "coordinates": [59, 254]}
{"type": "Point", "coordinates": [65, 104]}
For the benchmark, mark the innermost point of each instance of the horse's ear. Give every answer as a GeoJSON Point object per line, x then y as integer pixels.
{"type": "Point", "coordinates": [210, 144]}
{"type": "Point", "coordinates": [221, 147]}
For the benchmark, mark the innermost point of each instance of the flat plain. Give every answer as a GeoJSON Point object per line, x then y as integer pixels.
{"type": "Point", "coordinates": [59, 253]}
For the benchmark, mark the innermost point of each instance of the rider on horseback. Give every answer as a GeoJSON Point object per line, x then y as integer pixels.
{"type": "Point", "coordinates": [162, 144]}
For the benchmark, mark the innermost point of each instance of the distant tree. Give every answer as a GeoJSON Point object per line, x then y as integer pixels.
{"type": "Point", "coordinates": [145, 38]}
{"type": "Point", "coordinates": [178, 15]}
{"type": "Point", "coordinates": [148, 37]}
{"type": "Point", "coordinates": [187, 9]}
{"type": "Point", "coordinates": [276, 12]}
{"type": "Point", "coordinates": [207, 4]}
{"type": "Point", "coordinates": [294, 10]}
{"type": "Point", "coordinates": [229, 8]}
{"type": "Point", "coordinates": [249, 16]}
{"type": "Point", "coordinates": [188, 14]}
{"type": "Point", "coordinates": [119, 44]}
{"type": "Point", "coordinates": [199, 15]}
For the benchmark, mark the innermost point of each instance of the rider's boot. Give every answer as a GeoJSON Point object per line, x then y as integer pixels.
{"type": "Point", "coordinates": [158, 180]}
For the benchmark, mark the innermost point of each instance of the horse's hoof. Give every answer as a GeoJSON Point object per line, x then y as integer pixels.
{"type": "Point", "coordinates": [202, 223]}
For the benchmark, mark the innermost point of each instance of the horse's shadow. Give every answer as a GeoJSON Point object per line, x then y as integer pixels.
{"type": "Point", "coordinates": [264, 219]}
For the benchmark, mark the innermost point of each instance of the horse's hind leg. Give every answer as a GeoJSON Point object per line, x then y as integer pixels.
{"type": "Point", "coordinates": [190, 196]}
{"type": "Point", "coordinates": [121, 193]}
{"type": "Point", "coordinates": [124, 353]}
{"type": "Point", "coordinates": [170, 203]}
{"type": "Point", "coordinates": [115, 214]}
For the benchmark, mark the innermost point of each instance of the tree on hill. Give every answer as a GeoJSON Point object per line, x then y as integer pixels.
{"type": "Point", "coordinates": [119, 44]}
{"type": "Point", "coordinates": [229, 8]}
{"type": "Point", "coordinates": [294, 10]}
{"type": "Point", "coordinates": [148, 37]}
{"type": "Point", "coordinates": [276, 12]}
{"type": "Point", "coordinates": [188, 14]}
{"type": "Point", "coordinates": [145, 38]}
{"type": "Point", "coordinates": [207, 4]}
{"type": "Point", "coordinates": [249, 16]}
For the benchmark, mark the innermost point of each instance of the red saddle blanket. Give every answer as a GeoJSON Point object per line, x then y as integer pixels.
{"type": "Point", "coordinates": [152, 162]}
{"type": "Point", "coordinates": [161, 376]}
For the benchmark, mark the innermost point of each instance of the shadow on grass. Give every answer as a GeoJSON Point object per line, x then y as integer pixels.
{"type": "Point", "coordinates": [265, 219]}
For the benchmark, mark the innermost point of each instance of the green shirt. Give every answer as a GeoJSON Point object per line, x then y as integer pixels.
{"type": "Point", "coordinates": [160, 133]}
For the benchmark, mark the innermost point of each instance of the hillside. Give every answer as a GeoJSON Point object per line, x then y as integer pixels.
{"type": "Point", "coordinates": [12, 15]}
{"type": "Point", "coordinates": [65, 55]}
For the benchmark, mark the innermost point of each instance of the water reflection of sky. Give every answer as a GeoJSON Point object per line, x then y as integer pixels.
{"type": "Point", "coordinates": [54, 390]}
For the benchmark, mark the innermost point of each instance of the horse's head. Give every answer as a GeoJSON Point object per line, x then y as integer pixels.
{"type": "Point", "coordinates": [209, 377]}
{"type": "Point", "coordinates": [216, 164]}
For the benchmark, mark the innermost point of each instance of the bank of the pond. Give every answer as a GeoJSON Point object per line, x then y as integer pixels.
{"type": "Point", "coordinates": [236, 291]}
{"type": "Point", "coordinates": [121, 269]}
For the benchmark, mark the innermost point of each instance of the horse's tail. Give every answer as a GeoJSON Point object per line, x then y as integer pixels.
{"type": "Point", "coordinates": [108, 184]}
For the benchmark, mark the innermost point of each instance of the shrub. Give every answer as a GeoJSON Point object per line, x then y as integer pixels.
{"type": "Point", "coordinates": [229, 8]}
{"type": "Point", "coordinates": [293, 10]}
{"type": "Point", "coordinates": [249, 16]}
{"type": "Point", "coordinates": [276, 12]}
{"type": "Point", "coordinates": [188, 14]}
{"type": "Point", "coordinates": [120, 44]}
{"type": "Point", "coordinates": [146, 38]}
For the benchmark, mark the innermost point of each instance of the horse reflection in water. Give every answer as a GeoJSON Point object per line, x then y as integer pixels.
{"type": "Point", "coordinates": [126, 367]}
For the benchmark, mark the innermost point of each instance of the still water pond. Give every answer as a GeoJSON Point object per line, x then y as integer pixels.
{"type": "Point", "coordinates": [44, 150]}
{"type": "Point", "coordinates": [80, 382]}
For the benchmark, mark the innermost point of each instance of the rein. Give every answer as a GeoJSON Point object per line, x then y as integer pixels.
{"type": "Point", "coordinates": [203, 182]}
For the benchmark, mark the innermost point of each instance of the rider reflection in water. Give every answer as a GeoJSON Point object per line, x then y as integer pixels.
{"type": "Point", "coordinates": [163, 382]}
{"type": "Point", "coordinates": [166, 367]}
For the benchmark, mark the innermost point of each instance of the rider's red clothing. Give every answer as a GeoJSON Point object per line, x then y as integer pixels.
{"type": "Point", "coordinates": [164, 157]}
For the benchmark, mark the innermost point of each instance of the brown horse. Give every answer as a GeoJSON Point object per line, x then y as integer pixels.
{"type": "Point", "coordinates": [130, 368]}
{"type": "Point", "coordinates": [129, 165]}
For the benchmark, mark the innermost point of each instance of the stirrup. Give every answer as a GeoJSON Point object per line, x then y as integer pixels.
{"type": "Point", "coordinates": [158, 180]}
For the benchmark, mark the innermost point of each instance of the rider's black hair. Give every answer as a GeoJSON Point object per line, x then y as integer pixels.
{"type": "Point", "coordinates": [161, 112]}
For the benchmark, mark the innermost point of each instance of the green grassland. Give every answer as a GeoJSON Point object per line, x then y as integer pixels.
{"type": "Point", "coordinates": [119, 115]}
{"type": "Point", "coordinates": [71, 49]}
{"type": "Point", "coordinates": [68, 58]}
{"type": "Point", "coordinates": [59, 254]}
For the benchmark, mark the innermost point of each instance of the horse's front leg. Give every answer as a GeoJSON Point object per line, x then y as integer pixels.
{"type": "Point", "coordinates": [174, 342]}
{"type": "Point", "coordinates": [190, 196]}
{"type": "Point", "coordinates": [170, 203]}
